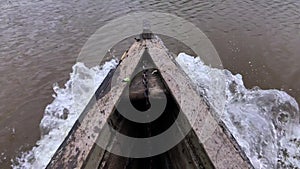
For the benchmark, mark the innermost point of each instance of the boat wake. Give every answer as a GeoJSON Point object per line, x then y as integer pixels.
{"type": "Point", "coordinates": [61, 114]}
{"type": "Point", "coordinates": [265, 123]}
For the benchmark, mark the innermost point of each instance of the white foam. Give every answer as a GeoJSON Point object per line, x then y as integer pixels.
{"type": "Point", "coordinates": [62, 113]}
{"type": "Point", "coordinates": [265, 123]}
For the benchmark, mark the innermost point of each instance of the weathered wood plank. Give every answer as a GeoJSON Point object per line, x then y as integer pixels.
{"type": "Point", "coordinates": [80, 141]}
{"type": "Point", "coordinates": [221, 149]}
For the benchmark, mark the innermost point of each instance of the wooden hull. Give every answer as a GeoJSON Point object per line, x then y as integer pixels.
{"type": "Point", "coordinates": [165, 78]}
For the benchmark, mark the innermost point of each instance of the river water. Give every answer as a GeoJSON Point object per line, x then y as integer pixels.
{"type": "Point", "coordinates": [40, 40]}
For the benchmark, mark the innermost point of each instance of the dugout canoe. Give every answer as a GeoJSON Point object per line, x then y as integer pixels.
{"type": "Point", "coordinates": [148, 58]}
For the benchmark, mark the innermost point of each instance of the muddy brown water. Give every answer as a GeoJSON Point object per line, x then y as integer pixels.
{"type": "Point", "coordinates": [40, 40]}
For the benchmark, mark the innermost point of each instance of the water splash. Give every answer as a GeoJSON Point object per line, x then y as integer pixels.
{"type": "Point", "coordinates": [265, 123]}
{"type": "Point", "coordinates": [61, 114]}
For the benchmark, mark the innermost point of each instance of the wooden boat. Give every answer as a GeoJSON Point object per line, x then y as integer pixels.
{"type": "Point", "coordinates": [149, 58]}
